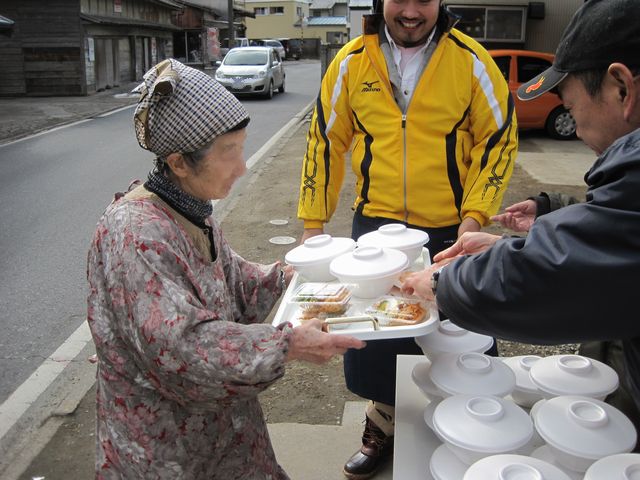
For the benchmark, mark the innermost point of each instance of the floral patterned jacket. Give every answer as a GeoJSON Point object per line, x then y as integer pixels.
{"type": "Point", "coordinates": [182, 351]}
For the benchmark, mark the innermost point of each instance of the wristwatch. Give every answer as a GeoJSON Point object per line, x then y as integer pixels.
{"type": "Point", "coordinates": [434, 280]}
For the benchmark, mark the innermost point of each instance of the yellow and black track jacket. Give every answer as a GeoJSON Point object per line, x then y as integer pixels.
{"type": "Point", "coordinates": [450, 156]}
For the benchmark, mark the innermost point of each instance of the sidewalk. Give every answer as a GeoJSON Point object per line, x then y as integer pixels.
{"type": "Point", "coordinates": [23, 116]}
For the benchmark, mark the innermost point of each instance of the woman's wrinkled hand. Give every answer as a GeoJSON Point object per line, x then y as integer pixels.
{"type": "Point", "coordinates": [309, 343]}
{"type": "Point", "coordinates": [518, 217]}
{"type": "Point", "coordinates": [468, 244]}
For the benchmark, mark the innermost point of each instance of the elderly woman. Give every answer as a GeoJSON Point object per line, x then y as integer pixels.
{"type": "Point", "coordinates": [176, 315]}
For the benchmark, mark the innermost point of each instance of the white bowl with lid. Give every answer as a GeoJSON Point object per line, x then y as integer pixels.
{"type": "Point", "coordinates": [513, 467]}
{"type": "Point", "coordinates": [580, 430]}
{"type": "Point", "coordinates": [525, 393]}
{"type": "Point", "coordinates": [471, 373]}
{"type": "Point", "coordinates": [398, 236]}
{"type": "Point", "coordinates": [444, 465]}
{"type": "Point", "coordinates": [420, 376]}
{"type": "Point", "coordinates": [312, 259]}
{"type": "Point", "coordinates": [573, 375]}
{"type": "Point", "coordinates": [474, 426]}
{"type": "Point", "coordinates": [624, 466]}
{"type": "Point", "coordinates": [429, 410]}
{"type": "Point", "coordinates": [450, 338]}
{"type": "Point", "coordinates": [543, 453]}
{"type": "Point", "coordinates": [373, 270]}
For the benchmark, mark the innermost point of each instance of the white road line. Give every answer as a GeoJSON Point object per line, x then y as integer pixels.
{"type": "Point", "coordinates": [45, 132]}
{"type": "Point", "coordinates": [26, 394]}
{"type": "Point", "coordinates": [115, 111]}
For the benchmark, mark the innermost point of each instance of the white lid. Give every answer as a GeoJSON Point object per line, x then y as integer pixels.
{"type": "Point", "coordinates": [369, 263]}
{"type": "Point", "coordinates": [513, 467]}
{"type": "Point", "coordinates": [574, 375]}
{"type": "Point", "coordinates": [624, 466]}
{"type": "Point", "coordinates": [444, 465]}
{"type": "Point", "coordinates": [450, 338]}
{"type": "Point", "coordinates": [521, 365]}
{"type": "Point", "coordinates": [394, 235]}
{"type": "Point", "coordinates": [318, 249]}
{"type": "Point", "coordinates": [472, 373]}
{"type": "Point", "coordinates": [584, 427]}
{"type": "Point", "coordinates": [484, 424]}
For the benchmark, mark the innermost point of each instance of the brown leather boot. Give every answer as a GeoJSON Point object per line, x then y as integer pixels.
{"type": "Point", "coordinates": [376, 450]}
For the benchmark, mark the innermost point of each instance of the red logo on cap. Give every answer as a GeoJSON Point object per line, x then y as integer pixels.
{"type": "Point", "coordinates": [535, 86]}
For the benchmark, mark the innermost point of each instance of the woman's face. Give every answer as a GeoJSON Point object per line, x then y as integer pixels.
{"type": "Point", "coordinates": [213, 177]}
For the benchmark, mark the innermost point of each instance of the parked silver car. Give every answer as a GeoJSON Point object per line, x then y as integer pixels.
{"type": "Point", "coordinates": [252, 71]}
{"type": "Point", "coordinates": [277, 46]}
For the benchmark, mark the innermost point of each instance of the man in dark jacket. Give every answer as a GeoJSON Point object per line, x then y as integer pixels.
{"type": "Point", "coordinates": [571, 279]}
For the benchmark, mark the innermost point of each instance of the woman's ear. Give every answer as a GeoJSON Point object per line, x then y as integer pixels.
{"type": "Point", "coordinates": [177, 164]}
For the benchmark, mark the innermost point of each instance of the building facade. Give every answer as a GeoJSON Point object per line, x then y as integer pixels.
{"type": "Point", "coordinates": [277, 19]}
{"type": "Point", "coordinates": [76, 47]}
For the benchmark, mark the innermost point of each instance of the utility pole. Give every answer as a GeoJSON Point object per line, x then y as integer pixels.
{"type": "Point", "coordinates": [232, 33]}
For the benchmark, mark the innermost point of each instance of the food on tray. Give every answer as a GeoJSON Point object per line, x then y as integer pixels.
{"type": "Point", "coordinates": [321, 293]}
{"type": "Point", "coordinates": [321, 300]}
{"type": "Point", "coordinates": [394, 311]}
{"type": "Point", "coordinates": [321, 311]}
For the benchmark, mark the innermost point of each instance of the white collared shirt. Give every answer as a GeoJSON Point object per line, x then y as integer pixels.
{"type": "Point", "coordinates": [407, 61]}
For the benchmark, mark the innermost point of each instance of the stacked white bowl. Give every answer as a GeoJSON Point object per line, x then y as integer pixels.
{"type": "Point", "coordinates": [479, 408]}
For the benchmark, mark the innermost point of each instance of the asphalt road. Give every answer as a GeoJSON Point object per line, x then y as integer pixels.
{"type": "Point", "coordinates": [53, 188]}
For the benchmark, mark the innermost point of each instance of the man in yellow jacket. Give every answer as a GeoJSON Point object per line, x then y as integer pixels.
{"type": "Point", "coordinates": [431, 127]}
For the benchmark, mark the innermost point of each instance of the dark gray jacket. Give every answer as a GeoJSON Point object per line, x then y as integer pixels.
{"type": "Point", "coordinates": [572, 279]}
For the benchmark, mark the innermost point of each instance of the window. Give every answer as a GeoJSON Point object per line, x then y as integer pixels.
{"type": "Point", "coordinates": [498, 24]}
{"type": "Point", "coordinates": [503, 64]}
{"type": "Point", "coordinates": [299, 12]}
{"type": "Point", "coordinates": [529, 67]}
{"type": "Point", "coordinates": [276, 10]}
{"type": "Point", "coordinates": [261, 11]}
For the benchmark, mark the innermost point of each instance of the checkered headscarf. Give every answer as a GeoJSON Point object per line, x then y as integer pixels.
{"type": "Point", "coordinates": [181, 109]}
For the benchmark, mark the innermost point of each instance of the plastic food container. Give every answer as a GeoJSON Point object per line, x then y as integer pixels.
{"type": "Point", "coordinates": [322, 300]}
{"type": "Point", "coordinates": [312, 259]}
{"type": "Point", "coordinates": [398, 236]}
{"type": "Point", "coordinates": [525, 393]}
{"type": "Point", "coordinates": [444, 465]}
{"type": "Point", "coordinates": [450, 338]}
{"type": "Point", "coordinates": [580, 430]}
{"type": "Point", "coordinates": [372, 270]}
{"type": "Point", "coordinates": [397, 311]}
{"type": "Point", "coordinates": [474, 427]}
{"type": "Point", "coordinates": [471, 373]}
{"type": "Point", "coordinates": [514, 467]}
{"type": "Point", "coordinates": [624, 466]}
{"type": "Point", "coordinates": [573, 375]}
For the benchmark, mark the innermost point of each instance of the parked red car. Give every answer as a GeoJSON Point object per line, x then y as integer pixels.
{"type": "Point", "coordinates": [546, 111]}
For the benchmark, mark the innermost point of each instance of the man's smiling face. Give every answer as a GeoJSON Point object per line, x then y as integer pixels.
{"type": "Point", "coordinates": [410, 21]}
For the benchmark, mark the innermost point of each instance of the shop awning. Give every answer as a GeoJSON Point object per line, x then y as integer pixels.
{"type": "Point", "coordinates": [122, 21]}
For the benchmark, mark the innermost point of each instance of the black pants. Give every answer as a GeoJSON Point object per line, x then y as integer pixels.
{"type": "Point", "coordinates": [371, 372]}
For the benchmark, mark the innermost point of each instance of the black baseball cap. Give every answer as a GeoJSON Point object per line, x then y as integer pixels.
{"type": "Point", "coordinates": [600, 33]}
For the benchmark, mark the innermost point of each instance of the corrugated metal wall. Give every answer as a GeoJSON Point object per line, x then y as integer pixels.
{"type": "Point", "coordinates": [543, 35]}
